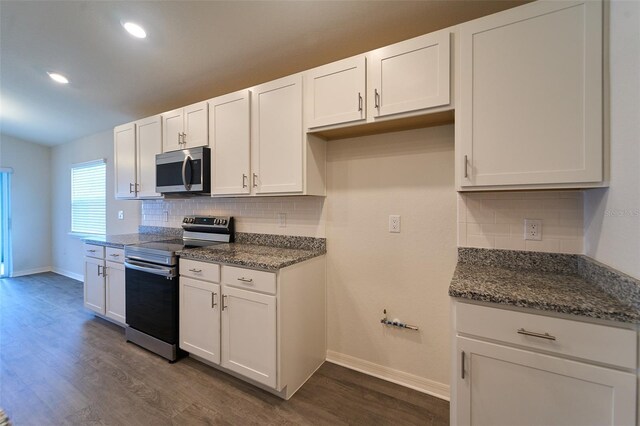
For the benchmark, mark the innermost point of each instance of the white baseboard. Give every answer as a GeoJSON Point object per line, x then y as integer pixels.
{"type": "Point", "coordinates": [439, 390]}
{"type": "Point", "coordinates": [31, 271]}
{"type": "Point", "coordinates": [69, 274]}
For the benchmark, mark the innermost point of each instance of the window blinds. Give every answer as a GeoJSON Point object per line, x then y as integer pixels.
{"type": "Point", "coordinates": [88, 197]}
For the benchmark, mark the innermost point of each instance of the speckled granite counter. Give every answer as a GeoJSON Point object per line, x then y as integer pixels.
{"type": "Point", "coordinates": [250, 255]}
{"type": "Point", "coordinates": [548, 282]}
{"type": "Point", "coordinates": [119, 241]}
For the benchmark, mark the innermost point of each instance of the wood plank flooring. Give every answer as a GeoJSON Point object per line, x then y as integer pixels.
{"type": "Point", "coordinates": [59, 364]}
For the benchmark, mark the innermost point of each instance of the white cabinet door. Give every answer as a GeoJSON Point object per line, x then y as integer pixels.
{"type": "Point", "coordinates": [196, 125]}
{"type": "Point", "coordinates": [149, 143]}
{"type": "Point", "coordinates": [172, 127]}
{"type": "Point", "coordinates": [229, 132]}
{"type": "Point", "coordinates": [277, 136]}
{"type": "Point", "coordinates": [115, 292]}
{"type": "Point", "coordinates": [508, 386]}
{"type": "Point", "coordinates": [200, 318]}
{"type": "Point", "coordinates": [411, 75]}
{"type": "Point", "coordinates": [124, 143]}
{"type": "Point", "coordinates": [249, 334]}
{"type": "Point", "coordinates": [530, 108]}
{"type": "Point", "coordinates": [335, 93]}
{"type": "Point", "coordinates": [94, 285]}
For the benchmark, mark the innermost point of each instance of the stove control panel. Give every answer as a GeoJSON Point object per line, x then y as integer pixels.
{"type": "Point", "coordinates": [213, 224]}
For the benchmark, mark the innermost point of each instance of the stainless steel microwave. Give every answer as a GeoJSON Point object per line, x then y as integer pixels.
{"type": "Point", "coordinates": [187, 171]}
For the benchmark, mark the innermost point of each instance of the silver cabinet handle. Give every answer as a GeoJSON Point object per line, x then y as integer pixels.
{"type": "Point", "coordinates": [100, 266]}
{"type": "Point", "coordinates": [184, 138]}
{"type": "Point", "coordinates": [377, 98]}
{"type": "Point", "coordinates": [179, 138]}
{"type": "Point", "coordinates": [466, 173]}
{"type": "Point", "coordinates": [359, 102]}
{"type": "Point", "coordinates": [137, 186]}
{"type": "Point", "coordinates": [546, 336]}
{"type": "Point", "coordinates": [244, 180]}
{"type": "Point", "coordinates": [187, 159]}
{"type": "Point", "coordinates": [197, 271]}
{"type": "Point", "coordinates": [114, 255]}
{"type": "Point", "coordinates": [255, 180]}
{"type": "Point", "coordinates": [91, 251]}
{"type": "Point", "coordinates": [462, 364]}
{"type": "Point", "coordinates": [224, 296]}
{"type": "Point", "coordinates": [213, 300]}
{"type": "Point", "coordinates": [131, 188]}
{"type": "Point", "coordinates": [245, 280]}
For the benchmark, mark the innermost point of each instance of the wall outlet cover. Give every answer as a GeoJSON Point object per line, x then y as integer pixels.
{"type": "Point", "coordinates": [394, 223]}
{"type": "Point", "coordinates": [533, 229]}
{"type": "Point", "coordinates": [282, 220]}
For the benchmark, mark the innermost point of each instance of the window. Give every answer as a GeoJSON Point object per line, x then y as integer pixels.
{"type": "Point", "coordinates": [5, 222]}
{"type": "Point", "coordinates": [89, 198]}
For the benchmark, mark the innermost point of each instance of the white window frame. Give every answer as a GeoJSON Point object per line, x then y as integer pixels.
{"type": "Point", "coordinates": [95, 197]}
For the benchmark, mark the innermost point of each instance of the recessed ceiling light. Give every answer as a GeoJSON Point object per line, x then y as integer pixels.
{"type": "Point", "coordinates": [58, 78]}
{"type": "Point", "coordinates": [134, 29]}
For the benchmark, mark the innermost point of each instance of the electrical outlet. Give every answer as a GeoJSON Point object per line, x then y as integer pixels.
{"type": "Point", "coordinates": [166, 216]}
{"type": "Point", "coordinates": [121, 214]}
{"type": "Point", "coordinates": [394, 223]}
{"type": "Point", "coordinates": [533, 229]}
{"type": "Point", "coordinates": [282, 220]}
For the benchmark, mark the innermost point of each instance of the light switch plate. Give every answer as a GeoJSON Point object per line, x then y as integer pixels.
{"type": "Point", "coordinates": [121, 214]}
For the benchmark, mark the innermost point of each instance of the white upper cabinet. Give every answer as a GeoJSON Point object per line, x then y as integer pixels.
{"type": "Point", "coordinates": [410, 76]}
{"type": "Point", "coordinates": [529, 112]}
{"type": "Point", "coordinates": [336, 93]}
{"type": "Point", "coordinates": [277, 136]}
{"type": "Point", "coordinates": [230, 137]}
{"type": "Point", "coordinates": [185, 127]}
{"type": "Point", "coordinates": [135, 148]}
{"type": "Point", "coordinates": [149, 144]}
{"type": "Point", "coordinates": [124, 143]}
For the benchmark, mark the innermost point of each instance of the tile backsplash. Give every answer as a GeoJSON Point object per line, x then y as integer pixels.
{"type": "Point", "coordinates": [496, 220]}
{"type": "Point", "coordinates": [304, 215]}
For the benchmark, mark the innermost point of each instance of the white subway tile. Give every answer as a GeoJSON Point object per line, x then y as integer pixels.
{"type": "Point", "coordinates": [574, 246]}
{"type": "Point", "coordinates": [546, 245]}
{"type": "Point", "coordinates": [509, 243]}
{"type": "Point", "coordinates": [480, 241]}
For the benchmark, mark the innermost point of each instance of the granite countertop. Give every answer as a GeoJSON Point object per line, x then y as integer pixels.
{"type": "Point", "coordinates": [560, 283]}
{"type": "Point", "coordinates": [250, 255]}
{"type": "Point", "coordinates": [119, 241]}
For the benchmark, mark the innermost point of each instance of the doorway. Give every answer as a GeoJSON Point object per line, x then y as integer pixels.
{"type": "Point", "coordinates": [5, 222]}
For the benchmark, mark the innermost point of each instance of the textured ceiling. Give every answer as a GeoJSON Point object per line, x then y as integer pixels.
{"type": "Point", "coordinates": [194, 51]}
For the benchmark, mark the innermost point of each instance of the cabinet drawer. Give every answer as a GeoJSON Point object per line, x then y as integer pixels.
{"type": "Point", "coordinates": [115, 255]}
{"type": "Point", "coordinates": [572, 338]}
{"type": "Point", "coordinates": [249, 279]}
{"type": "Point", "coordinates": [200, 270]}
{"type": "Point", "coordinates": [91, 250]}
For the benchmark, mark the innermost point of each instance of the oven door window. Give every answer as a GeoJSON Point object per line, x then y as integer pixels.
{"type": "Point", "coordinates": [152, 304]}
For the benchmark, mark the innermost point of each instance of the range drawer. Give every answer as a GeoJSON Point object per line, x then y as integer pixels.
{"type": "Point", "coordinates": [92, 250]}
{"type": "Point", "coordinates": [249, 279]}
{"type": "Point", "coordinates": [115, 255]}
{"type": "Point", "coordinates": [200, 270]}
{"type": "Point", "coordinates": [600, 343]}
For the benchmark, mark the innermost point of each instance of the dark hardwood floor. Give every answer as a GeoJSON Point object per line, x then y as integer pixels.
{"type": "Point", "coordinates": [59, 364]}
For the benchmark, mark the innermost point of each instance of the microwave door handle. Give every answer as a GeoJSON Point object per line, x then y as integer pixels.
{"type": "Point", "coordinates": [187, 160]}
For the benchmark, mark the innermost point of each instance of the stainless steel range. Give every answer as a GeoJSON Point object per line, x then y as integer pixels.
{"type": "Point", "coordinates": [151, 271]}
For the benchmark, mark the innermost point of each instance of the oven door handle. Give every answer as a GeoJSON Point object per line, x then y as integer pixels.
{"type": "Point", "coordinates": [152, 269]}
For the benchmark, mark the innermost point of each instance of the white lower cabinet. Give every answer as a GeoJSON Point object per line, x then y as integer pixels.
{"type": "Point", "coordinates": [115, 292]}
{"type": "Point", "coordinates": [268, 327]}
{"type": "Point", "coordinates": [540, 381]}
{"type": "Point", "coordinates": [249, 334]}
{"type": "Point", "coordinates": [94, 297]}
{"type": "Point", "coordinates": [104, 282]}
{"type": "Point", "coordinates": [200, 318]}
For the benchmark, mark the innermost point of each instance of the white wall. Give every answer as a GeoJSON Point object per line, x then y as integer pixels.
{"type": "Point", "coordinates": [30, 203]}
{"type": "Point", "coordinates": [612, 216]}
{"type": "Point", "coordinates": [67, 257]}
{"type": "Point", "coordinates": [411, 174]}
